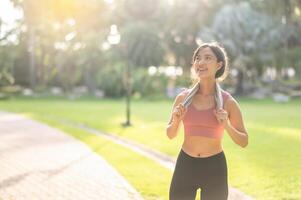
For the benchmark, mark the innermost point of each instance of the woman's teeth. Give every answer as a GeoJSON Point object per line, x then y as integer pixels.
{"type": "Point", "coordinates": [202, 70]}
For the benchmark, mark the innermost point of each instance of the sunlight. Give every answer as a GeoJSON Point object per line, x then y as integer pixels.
{"type": "Point", "coordinates": [8, 17]}
{"type": "Point", "coordinates": [8, 13]}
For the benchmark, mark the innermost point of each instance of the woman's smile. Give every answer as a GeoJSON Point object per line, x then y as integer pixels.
{"type": "Point", "coordinates": [201, 70]}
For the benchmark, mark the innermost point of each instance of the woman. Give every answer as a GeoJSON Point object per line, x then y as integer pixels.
{"type": "Point", "coordinates": [201, 162]}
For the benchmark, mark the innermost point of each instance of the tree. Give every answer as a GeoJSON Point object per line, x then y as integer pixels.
{"type": "Point", "coordinates": [287, 15]}
{"type": "Point", "coordinates": [247, 35]}
{"type": "Point", "coordinates": [8, 54]}
{"type": "Point", "coordinates": [56, 30]}
{"type": "Point", "coordinates": [143, 46]}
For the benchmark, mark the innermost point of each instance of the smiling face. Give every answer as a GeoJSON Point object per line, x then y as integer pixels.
{"type": "Point", "coordinates": [206, 64]}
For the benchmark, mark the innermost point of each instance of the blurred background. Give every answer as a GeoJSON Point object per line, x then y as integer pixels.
{"type": "Point", "coordinates": [97, 47]}
{"type": "Point", "coordinates": [72, 63]}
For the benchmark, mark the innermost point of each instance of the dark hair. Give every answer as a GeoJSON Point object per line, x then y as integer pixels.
{"type": "Point", "coordinates": [221, 56]}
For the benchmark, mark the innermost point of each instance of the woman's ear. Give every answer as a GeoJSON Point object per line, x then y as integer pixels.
{"type": "Point", "coordinates": [219, 65]}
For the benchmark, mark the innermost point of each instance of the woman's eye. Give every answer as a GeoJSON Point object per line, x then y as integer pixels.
{"type": "Point", "coordinates": [207, 58]}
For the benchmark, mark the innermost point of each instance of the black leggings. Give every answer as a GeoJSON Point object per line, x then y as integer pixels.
{"type": "Point", "coordinates": [191, 173]}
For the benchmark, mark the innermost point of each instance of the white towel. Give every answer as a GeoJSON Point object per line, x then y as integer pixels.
{"type": "Point", "coordinates": [218, 96]}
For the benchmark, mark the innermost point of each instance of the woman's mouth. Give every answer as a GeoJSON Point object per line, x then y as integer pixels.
{"type": "Point", "coordinates": [202, 70]}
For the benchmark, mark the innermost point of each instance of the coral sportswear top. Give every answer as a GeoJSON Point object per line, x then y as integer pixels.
{"type": "Point", "coordinates": [203, 122]}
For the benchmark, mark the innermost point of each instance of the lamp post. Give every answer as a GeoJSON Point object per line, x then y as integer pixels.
{"type": "Point", "coordinates": [128, 95]}
{"type": "Point", "coordinates": [114, 39]}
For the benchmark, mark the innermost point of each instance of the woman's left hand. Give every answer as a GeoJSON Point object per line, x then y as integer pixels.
{"type": "Point", "coordinates": [222, 116]}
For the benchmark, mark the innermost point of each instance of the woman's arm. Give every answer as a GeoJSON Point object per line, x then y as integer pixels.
{"type": "Point", "coordinates": [235, 125]}
{"type": "Point", "coordinates": [175, 120]}
{"type": "Point", "coordinates": [172, 129]}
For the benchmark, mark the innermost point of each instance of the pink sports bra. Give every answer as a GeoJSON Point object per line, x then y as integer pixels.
{"type": "Point", "coordinates": [203, 122]}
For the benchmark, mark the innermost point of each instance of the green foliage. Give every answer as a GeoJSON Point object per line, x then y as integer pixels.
{"type": "Point", "coordinates": [291, 58]}
{"type": "Point", "coordinates": [111, 80]}
{"type": "Point", "coordinates": [8, 55]}
{"type": "Point", "coordinates": [6, 78]}
{"type": "Point", "coordinates": [10, 90]}
{"type": "Point", "coordinates": [183, 81]}
{"type": "Point", "coordinates": [142, 46]}
{"type": "Point", "coordinates": [245, 33]}
{"type": "Point", "coordinates": [68, 39]}
{"type": "Point", "coordinates": [146, 85]}
{"type": "Point", "coordinates": [184, 20]}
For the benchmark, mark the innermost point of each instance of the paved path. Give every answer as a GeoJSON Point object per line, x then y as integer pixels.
{"type": "Point", "coordinates": [38, 162]}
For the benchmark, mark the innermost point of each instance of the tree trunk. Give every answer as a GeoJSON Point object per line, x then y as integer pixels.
{"type": "Point", "coordinates": [89, 80]}
{"type": "Point", "coordinates": [32, 60]}
{"type": "Point", "coordinates": [239, 84]}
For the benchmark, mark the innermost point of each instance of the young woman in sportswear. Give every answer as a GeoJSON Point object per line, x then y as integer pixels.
{"type": "Point", "coordinates": [205, 111]}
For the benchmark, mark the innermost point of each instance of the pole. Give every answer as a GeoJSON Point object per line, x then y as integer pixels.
{"type": "Point", "coordinates": [128, 94]}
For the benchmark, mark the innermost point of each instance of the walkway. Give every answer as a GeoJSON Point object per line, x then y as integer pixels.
{"type": "Point", "coordinates": [38, 162]}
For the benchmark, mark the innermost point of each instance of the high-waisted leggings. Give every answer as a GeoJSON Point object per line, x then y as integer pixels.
{"type": "Point", "coordinates": [191, 173]}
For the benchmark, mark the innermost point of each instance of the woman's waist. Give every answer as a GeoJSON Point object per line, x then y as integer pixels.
{"type": "Point", "coordinates": [202, 146]}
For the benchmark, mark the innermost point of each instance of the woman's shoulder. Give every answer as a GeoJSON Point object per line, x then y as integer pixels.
{"type": "Point", "coordinates": [226, 94]}
{"type": "Point", "coordinates": [229, 100]}
{"type": "Point", "coordinates": [183, 93]}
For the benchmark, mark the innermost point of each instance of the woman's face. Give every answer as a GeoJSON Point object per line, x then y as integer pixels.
{"type": "Point", "coordinates": [205, 63]}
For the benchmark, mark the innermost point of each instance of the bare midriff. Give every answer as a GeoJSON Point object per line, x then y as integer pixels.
{"type": "Point", "coordinates": [199, 146]}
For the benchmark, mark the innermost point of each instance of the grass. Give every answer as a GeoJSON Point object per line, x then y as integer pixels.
{"type": "Point", "coordinates": [269, 168]}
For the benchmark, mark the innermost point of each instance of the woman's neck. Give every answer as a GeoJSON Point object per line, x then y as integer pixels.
{"type": "Point", "coordinates": [207, 87]}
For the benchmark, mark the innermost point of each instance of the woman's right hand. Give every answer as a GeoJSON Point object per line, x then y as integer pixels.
{"type": "Point", "coordinates": [178, 113]}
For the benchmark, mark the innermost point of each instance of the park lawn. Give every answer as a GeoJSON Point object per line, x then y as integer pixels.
{"type": "Point", "coordinates": [269, 168]}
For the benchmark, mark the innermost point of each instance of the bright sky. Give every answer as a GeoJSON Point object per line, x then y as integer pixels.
{"type": "Point", "coordinates": [7, 12]}
{"type": "Point", "coordinates": [8, 15]}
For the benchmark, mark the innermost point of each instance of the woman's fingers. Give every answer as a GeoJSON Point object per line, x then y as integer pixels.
{"type": "Point", "coordinates": [183, 109]}
{"type": "Point", "coordinates": [177, 111]}
{"type": "Point", "coordinates": [180, 111]}
{"type": "Point", "coordinates": [221, 115]}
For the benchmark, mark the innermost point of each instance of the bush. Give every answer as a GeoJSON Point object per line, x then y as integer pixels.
{"type": "Point", "coordinates": [146, 85]}
{"type": "Point", "coordinates": [11, 90]}
{"type": "Point", "coordinates": [110, 80]}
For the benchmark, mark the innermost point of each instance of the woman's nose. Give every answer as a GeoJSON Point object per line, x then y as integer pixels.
{"type": "Point", "coordinates": [201, 61]}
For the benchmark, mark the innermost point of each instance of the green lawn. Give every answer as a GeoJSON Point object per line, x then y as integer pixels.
{"type": "Point", "coordinates": [269, 168]}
